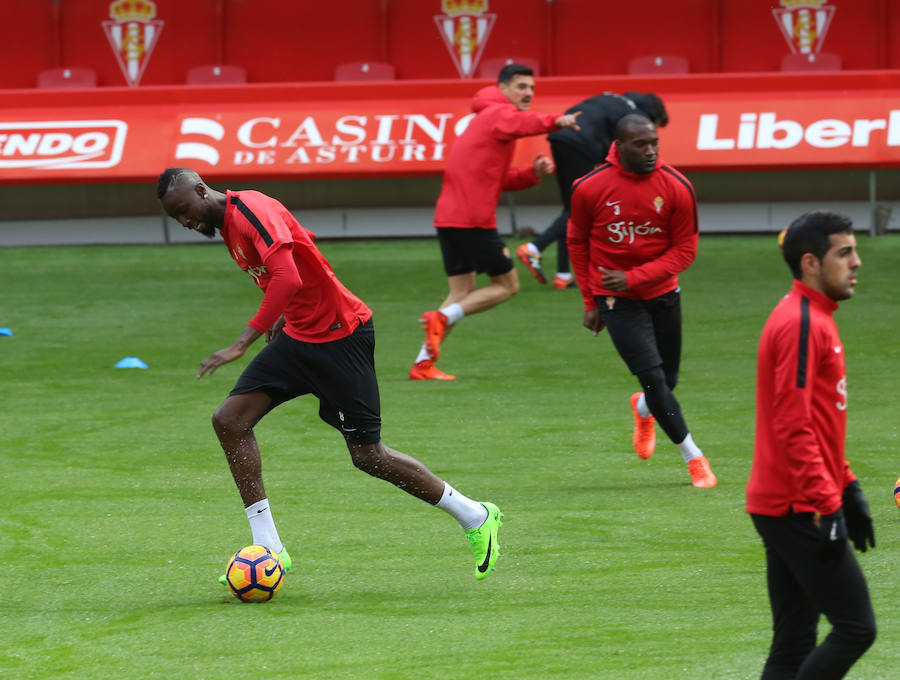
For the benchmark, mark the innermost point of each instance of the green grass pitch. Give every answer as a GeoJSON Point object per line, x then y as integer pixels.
{"type": "Point", "coordinates": [118, 511]}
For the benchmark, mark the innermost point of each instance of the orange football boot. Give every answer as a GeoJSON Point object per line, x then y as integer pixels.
{"type": "Point", "coordinates": [701, 473]}
{"type": "Point", "coordinates": [644, 438]}
{"type": "Point", "coordinates": [426, 370]}
{"type": "Point", "coordinates": [532, 261]}
{"type": "Point", "coordinates": [435, 325]}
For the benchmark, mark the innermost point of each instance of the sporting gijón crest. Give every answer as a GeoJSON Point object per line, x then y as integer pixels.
{"type": "Point", "coordinates": [465, 26]}
{"type": "Point", "coordinates": [804, 23]}
{"type": "Point", "coordinates": [132, 32]}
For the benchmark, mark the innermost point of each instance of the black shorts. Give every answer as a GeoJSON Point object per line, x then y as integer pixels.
{"type": "Point", "coordinates": [340, 373]}
{"type": "Point", "coordinates": [646, 333]}
{"type": "Point", "coordinates": [473, 250]}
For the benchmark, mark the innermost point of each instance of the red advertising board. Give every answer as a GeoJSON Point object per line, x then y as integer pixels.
{"type": "Point", "coordinates": [410, 136]}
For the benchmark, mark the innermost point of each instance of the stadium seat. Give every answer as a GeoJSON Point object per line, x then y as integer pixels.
{"type": "Point", "coordinates": [489, 68]}
{"type": "Point", "coordinates": [821, 61]}
{"type": "Point", "coordinates": [658, 63]}
{"type": "Point", "coordinates": [364, 70]}
{"type": "Point", "coordinates": [213, 74]}
{"type": "Point", "coordinates": [67, 77]}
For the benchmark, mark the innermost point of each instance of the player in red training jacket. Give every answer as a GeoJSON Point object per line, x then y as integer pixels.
{"type": "Point", "coordinates": [802, 496]}
{"type": "Point", "coordinates": [632, 229]}
{"type": "Point", "coordinates": [321, 341]}
{"type": "Point", "coordinates": [465, 216]}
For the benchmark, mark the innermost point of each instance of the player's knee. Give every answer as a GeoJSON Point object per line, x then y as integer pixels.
{"type": "Point", "coordinates": [671, 379]}
{"type": "Point", "coordinates": [859, 635]}
{"type": "Point", "coordinates": [226, 422]}
{"type": "Point", "coordinates": [653, 379]}
{"type": "Point", "coordinates": [510, 287]}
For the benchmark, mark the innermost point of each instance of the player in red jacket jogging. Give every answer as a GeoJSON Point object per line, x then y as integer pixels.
{"type": "Point", "coordinates": [465, 216]}
{"type": "Point", "coordinates": [632, 229]}
{"type": "Point", "coordinates": [321, 341]}
{"type": "Point", "coordinates": [802, 496]}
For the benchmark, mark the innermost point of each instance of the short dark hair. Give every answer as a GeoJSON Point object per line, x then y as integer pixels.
{"type": "Point", "coordinates": [628, 121]}
{"type": "Point", "coordinates": [810, 233]}
{"type": "Point", "coordinates": [651, 105]}
{"type": "Point", "coordinates": [168, 177]}
{"type": "Point", "coordinates": [510, 71]}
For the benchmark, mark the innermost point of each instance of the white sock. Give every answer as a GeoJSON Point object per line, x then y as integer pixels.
{"type": "Point", "coordinates": [423, 354]}
{"type": "Point", "coordinates": [642, 408]}
{"type": "Point", "coordinates": [470, 514]}
{"type": "Point", "coordinates": [263, 526]}
{"type": "Point", "coordinates": [567, 276]}
{"type": "Point", "coordinates": [533, 249]}
{"type": "Point", "coordinates": [689, 450]}
{"type": "Point", "coordinates": [453, 313]}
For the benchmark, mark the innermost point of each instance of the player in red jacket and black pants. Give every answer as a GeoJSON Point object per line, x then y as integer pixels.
{"type": "Point", "coordinates": [632, 229]}
{"type": "Point", "coordinates": [802, 496]}
{"type": "Point", "coordinates": [465, 216]}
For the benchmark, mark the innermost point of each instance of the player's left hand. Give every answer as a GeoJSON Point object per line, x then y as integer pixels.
{"type": "Point", "coordinates": [858, 517]}
{"type": "Point", "coordinates": [543, 166]}
{"type": "Point", "coordinates": [223, 356]}
{"type": "Point", "coordinates": [275, 329]}
{"type": "Point", "coordinates": [613, 279]}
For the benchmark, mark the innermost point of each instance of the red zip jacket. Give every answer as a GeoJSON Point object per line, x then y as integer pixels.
{"type": "Point", "coordinates": [801, 409]}
{"type": "Point", "coordinates": [642, 224]}
{"type": "Point", "coordinates": [269, 244]}
{"type": "Point", "coordinates": [478, 169]}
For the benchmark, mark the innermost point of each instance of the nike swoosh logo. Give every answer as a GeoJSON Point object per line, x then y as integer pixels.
{"type": "Point", "coordinates": [612, 202]}
{"type": "Point", "coordinates": [271, 571]}
{"type": "Point", "coordinates": [263, 510]}
{"type": "Point", "coordinates": [837, 350]}
{"type": "Point", "coordinates": [483, 567]}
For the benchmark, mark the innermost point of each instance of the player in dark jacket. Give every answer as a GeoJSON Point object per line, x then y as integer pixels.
{"type": "Point", "coordinates": [576, 153]}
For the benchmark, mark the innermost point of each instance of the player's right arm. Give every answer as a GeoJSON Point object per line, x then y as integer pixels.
{"type": "Point", "coordinates": [578, 232]}
{"type": "Point", "coordinates": [228, 354]}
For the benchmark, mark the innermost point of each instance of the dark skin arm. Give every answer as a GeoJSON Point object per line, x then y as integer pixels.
{"type": "Point", "coordinates": [247, 337]}
{"type": "Point", "coordinates": [613, 280]}
{"type": "Point", "coordinates": [593, 321]}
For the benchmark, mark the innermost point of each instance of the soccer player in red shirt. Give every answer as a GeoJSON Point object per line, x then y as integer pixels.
{"type": "Point", "coordinates": [465, 215]}
{"type": "Point", "coordinates": [632, 230]}
{"type": "Point", "coordinates": [321, 341]}
{"type": "Point", "coordinates": [802, 496]}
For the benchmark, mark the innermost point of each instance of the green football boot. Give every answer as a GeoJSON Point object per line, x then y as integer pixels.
{"type": "Point", "coordinates": [485, 546]}
{"type": "Point", "coordinates": [285, 562]}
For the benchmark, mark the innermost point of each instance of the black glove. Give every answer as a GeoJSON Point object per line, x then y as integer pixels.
{"type": "Point", "coordinates": [858, 517]}
{"type": "Point", "coordinates": [833, 533]}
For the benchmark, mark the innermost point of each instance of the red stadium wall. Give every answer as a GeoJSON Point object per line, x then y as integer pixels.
{"type": "Point", "coordinates": [278, 41]}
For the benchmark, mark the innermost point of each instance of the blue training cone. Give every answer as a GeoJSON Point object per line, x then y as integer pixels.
{"type": "Point", "coordinates": [131, 362]}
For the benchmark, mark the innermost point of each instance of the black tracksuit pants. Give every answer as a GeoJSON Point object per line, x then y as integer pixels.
{"type": "Point", "coordinates": [803, 585]}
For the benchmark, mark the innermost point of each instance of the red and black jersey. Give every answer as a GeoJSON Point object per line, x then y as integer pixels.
{"type": "Point", "coordinates": [801, 409]}
{"type": "Point", "coordinates": [269, 244]}
{"type": "Point", "coordinates": [642, 224]}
